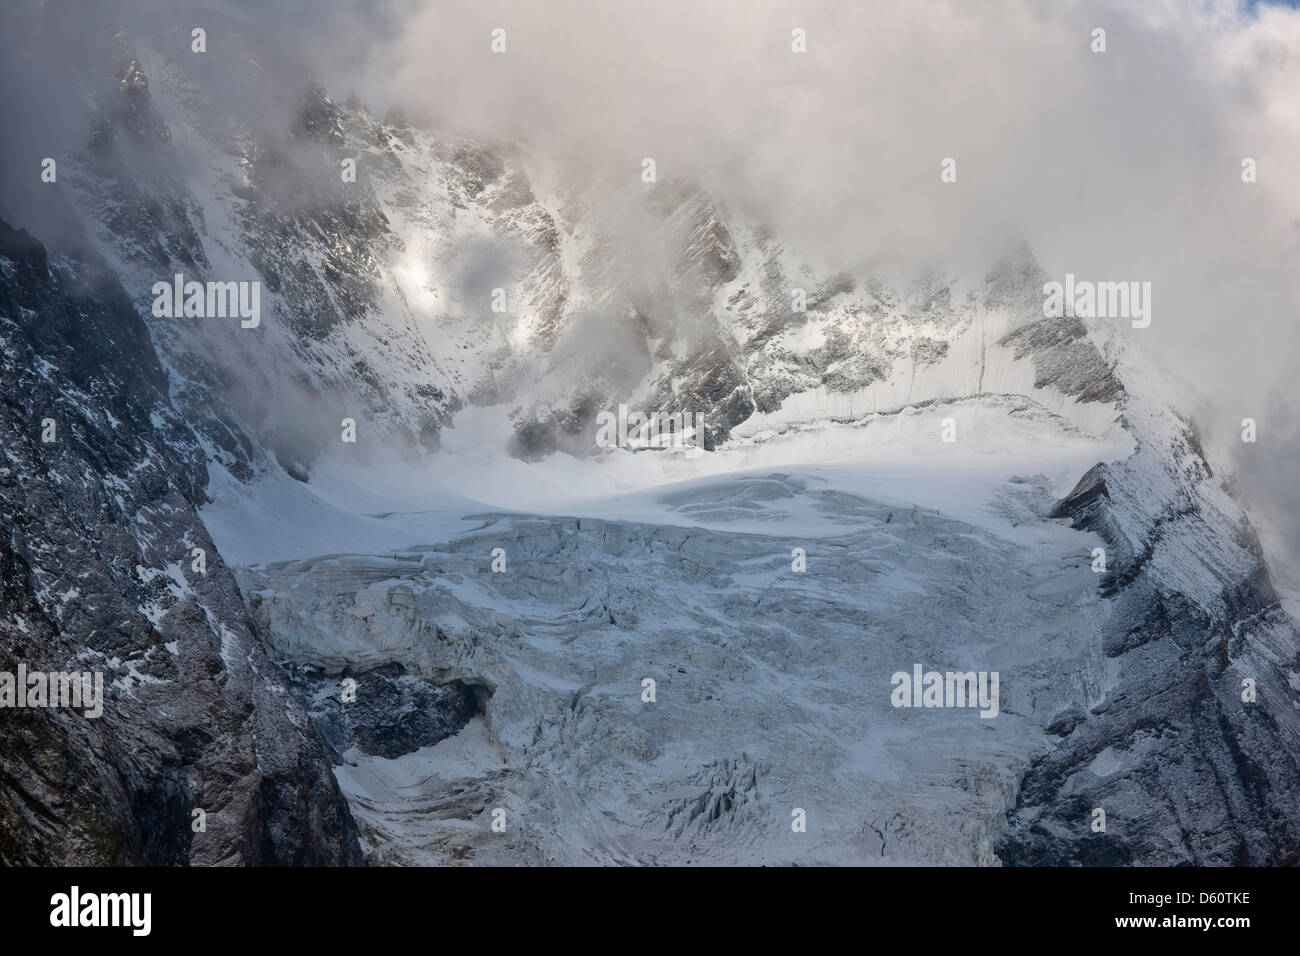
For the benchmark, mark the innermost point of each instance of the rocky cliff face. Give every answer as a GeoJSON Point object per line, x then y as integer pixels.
{"type": "Point", "coordinates": [1186, 768]}
{"type": "Point", "coordinates": [99, 527]}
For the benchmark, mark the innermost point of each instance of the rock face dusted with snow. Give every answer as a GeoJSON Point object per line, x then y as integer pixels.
{"type": "Point", "coordinates": [98, 527]}
{"type": "Point", "coordinates": [1186, 769]}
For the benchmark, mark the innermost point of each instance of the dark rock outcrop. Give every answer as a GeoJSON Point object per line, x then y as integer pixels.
{"type": "Point", "coordinates": [97, 573]}
{"type": "Point", "coordinates": [1193, 753]}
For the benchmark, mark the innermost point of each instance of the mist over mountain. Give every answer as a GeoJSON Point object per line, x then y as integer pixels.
{"type": "Point", "coordinates": [512, 356]}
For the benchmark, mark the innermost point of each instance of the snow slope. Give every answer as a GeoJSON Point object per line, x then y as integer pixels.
{"type": "Point", "coordinates": [772, 686]}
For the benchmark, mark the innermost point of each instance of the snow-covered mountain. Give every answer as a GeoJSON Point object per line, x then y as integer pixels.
{"type": "Point", "coordinates": [943, 460]}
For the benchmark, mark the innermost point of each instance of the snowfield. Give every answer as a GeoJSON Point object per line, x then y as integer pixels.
{"type": "Point", "coordinates": [772, 686]}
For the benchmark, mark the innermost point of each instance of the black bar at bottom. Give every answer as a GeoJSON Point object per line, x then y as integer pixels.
{"type": "Point", "coordinates": [335, 907]}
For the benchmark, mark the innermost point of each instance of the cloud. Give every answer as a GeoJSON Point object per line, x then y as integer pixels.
{"type": "Point", "coordinates": [1122, 165]}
